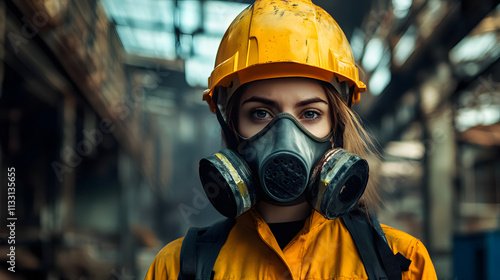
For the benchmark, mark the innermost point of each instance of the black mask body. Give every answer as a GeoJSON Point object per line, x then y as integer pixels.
{"type": "Point", "coordinates": [284, 164]}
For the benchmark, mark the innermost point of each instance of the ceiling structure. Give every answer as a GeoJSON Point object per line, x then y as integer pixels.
{"type": "Point", "coordinates": [190, 31]}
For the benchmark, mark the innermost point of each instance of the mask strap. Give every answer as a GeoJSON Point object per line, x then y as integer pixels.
{"type": "Point", "coordinates": [338, 141]}
{"type": "Point", "coordinates": [350, 95]}
{"type": "Point", "coordinates": [228, 135]}
{"type": "Point", "coordinates": [346, 94]}
{"type": "Point", "coordinates": [339, 130]}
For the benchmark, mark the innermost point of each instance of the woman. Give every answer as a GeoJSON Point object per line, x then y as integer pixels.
{"type": "Point", "coordinates": [282, 89]}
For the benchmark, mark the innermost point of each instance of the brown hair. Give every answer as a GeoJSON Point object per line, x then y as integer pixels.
{"type": "Point", "coordinates": [356, 139]}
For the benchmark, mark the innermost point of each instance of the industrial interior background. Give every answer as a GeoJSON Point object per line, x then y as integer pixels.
{"type": "Point", "coordinates": [101, 117]}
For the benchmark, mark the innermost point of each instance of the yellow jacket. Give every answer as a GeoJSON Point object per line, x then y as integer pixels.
{"type": "Point", "coordinates": [323, 249]}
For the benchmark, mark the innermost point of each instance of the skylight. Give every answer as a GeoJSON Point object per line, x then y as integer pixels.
{"type": "Point", "coordinates": [189, 30]}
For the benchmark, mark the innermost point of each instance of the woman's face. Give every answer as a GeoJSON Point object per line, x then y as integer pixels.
{"type": "Point", "coordinates": [303, 98]}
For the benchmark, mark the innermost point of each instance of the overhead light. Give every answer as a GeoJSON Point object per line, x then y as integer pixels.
{"type": "Point", "coordinates": [474, 53]}
{"type": "Point", "coordinates": [486, 114]}
{"type": "Point", "coordinates": [401, 169]}
{"type": "Point", "coordinates": [405, 149]}
{"type": "Point", "coordinates": [401, 8]}
{"type": "Point", "coordinates": [381, 78]}
{"type": "Point", "coordinates": [474, 47]}
{"type": "Point", "coordinates": [206, 45]}
{"type": "Point", "coordinates": [147, 14]}
{"type": "Point", "coordinates": [373, 54]}
{"type": "Point", "coordinates": [198, 70]}
{"type": "Point", "coordinates": [149, 43]}
{"type": "Point", "coordinates": [405, 46]}
{"type": "Point", "coordinates": [479, 49]}
{"type": "Point", "coordinates": [218, 15]}
{"type": "Point", "coordinates": [188, 16]}
{"type": "Point", "coordinates": [357, 43]}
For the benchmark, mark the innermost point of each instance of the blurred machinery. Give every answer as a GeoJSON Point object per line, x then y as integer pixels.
{"type": "Point", "coordinates": [101, 116]}
{"type": "Point", "coordinates": [75, 131]}
{"type": "Point", "coordinates": [433, 73]}
{"type": "Point", "coordinates": [476, 256]}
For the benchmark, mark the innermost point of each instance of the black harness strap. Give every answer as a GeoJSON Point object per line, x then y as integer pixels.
{"type": "Point", "coordinates": [188, 255]}
{"type": "Point", "coordinates": [361, 233]}
{"type": "Point", "coordinates": [359, 224]}
{"type": "Point", "coordinates": [200, 249]}
{"type": "Point", "coordinates": [394, 264]}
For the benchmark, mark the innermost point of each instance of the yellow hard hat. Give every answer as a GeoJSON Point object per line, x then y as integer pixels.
{"type": "Point", "coordinates": [272, 39]}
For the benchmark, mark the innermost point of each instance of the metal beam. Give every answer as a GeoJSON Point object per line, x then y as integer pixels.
{"type": "Point", "coordinates": [455, 26]}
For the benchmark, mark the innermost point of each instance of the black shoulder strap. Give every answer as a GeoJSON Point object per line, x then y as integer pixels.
{"type": "Point", "coordinates": [200, 249]}
{"type": "Point", "coordinates": [378, 258]}
{"type": "Point", "coordinates": [394, 264]}
{"type": "Point", "coordinates": [361, 233]}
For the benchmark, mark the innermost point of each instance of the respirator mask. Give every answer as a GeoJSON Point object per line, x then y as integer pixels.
{"type": "Point", "coordinates": [284, 164]}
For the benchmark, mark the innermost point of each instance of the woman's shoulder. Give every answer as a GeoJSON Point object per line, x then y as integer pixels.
{"type": "Point", "coordinates": [171, 250]}
{"type": "Point", "coordinates": [166, 263]}
{"type": "Point", "coordinates": [398, 238]}
{"type": "Point", "coordinates": [412, 248]}
{"type": "Point", "coordinates": [401, 241]}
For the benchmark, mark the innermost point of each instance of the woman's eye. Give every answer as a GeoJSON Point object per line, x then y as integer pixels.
{"type": "Point", "coordinates": [260, 114]}
{"type": "Point", "coordinates": [310, 114]}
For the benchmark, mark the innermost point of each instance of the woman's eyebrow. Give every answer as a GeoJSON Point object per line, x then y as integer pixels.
{"type": "Point", "coordinates": [310, 101]}
{"type": "Point", "coordinates": [261, 100]}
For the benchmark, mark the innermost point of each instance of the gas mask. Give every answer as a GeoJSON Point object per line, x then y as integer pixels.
{"type": "Point", "coordinates": [284, 164]}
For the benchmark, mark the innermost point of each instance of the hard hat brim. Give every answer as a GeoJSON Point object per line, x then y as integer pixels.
{"type": "Point", "coordinates": [277, 69]}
